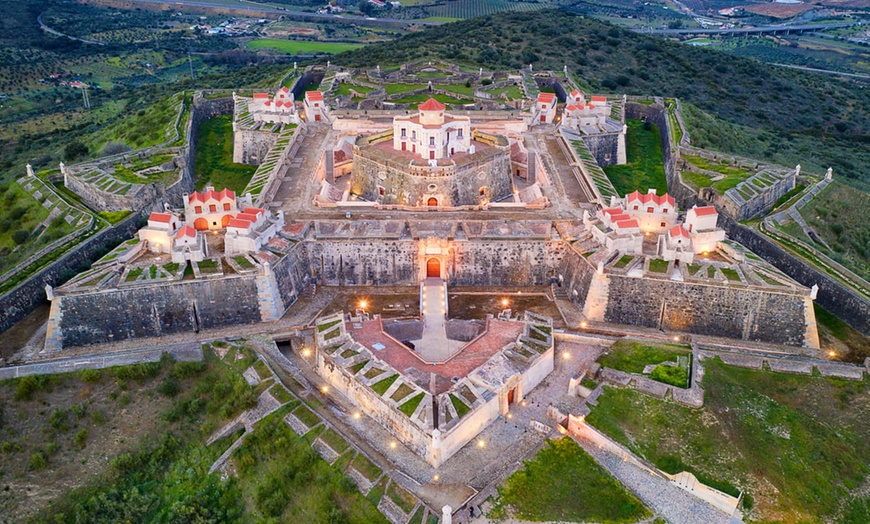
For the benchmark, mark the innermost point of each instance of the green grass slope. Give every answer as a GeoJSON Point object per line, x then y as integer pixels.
{"type": "Point", "coordinates": [214, 157]}
{"type": "Point", "coordinates": [794, 444]}
{"type": "Point", "coordinates": [645, 168]}
{"type": "Point", "coordinates": [781, 114]}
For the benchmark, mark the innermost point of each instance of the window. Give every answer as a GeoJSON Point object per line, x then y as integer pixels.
{"type": "Point", "coordinates": [404, 133]}
{"type": "Point", "coordinates": [414, 135]}
{"type": "Point", "coordinates": [665, 210]}
{"type": "Point", "coordinates": [664, 224]}
{"type": "Point", "coordinates": [635, 208]}
{"type": "Point", "coordinates": [690, 226]}
{"type": "Point", "coordinates": [212, 208]}
{"type": "Point", "coordinates": [197, 209]}
{"type": "Point", "coordinates": [431, 140]}
{"type": "Point", "coordinates": [649, 210]}
{"type": "Point", "coordinates": [381, 191]}
{"type": "Point", "coordinates": [483, 192]}
{"type": "Point", "coordinates": [226, 206]}
{"type": "Point", "coordinates": [459, 133]}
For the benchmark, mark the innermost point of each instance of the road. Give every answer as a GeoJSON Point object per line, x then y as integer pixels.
{"type": "Point", "coordinates": [253, 7]}
{"type": "Point", "coordinates": [57, 33]}
{"type": "Point", "coordinates": [751, 30]}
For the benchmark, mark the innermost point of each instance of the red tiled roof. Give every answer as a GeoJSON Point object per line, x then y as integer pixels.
{"type": "Point", "coordinates": [571, 108]}
{"type": "Point", "coordinates": [254, 211]}
{"type": "Point", "coordinates": [612, 211]}
{"type": "Point", "coordinates": [619, 218]}
{"type": "Point", "coordinates": [678, 231]}
{"type": "Point", "coordinates": [546, 97]}
{"type": "Point", "coordinates": [704, 211]}
{"type": "Point", "coordinates": [251, 217]}
{"type": "Point", "coordinates": [196, 195]}
{"type": "Point", "coordinates": [313, 95]}
{"type": "Point", "coordinates": [624, 224]}
{"type": "Point", "coordinates": [599, 98]}
{"type": "Point", "coordinates": [186, 231]}
{"type": "Point", "coordinates": [650, 197]}
{"type": "Point", "coordinates": [225, 193]}
{"type": "Point", "coordinates": [161, 217]}
{"type": "Point", "coordinates": [284, 89]}
{"type": "Point", "coordinates": [268, 103]}
{"type": "Point", "coordinates": [261, 95]}
{"type": "Point", "coordinates": [240, 223]}
{"type": "Point", "coordinates": [431, 105]}
{"type": "Point", "coordinates": [576, 92]}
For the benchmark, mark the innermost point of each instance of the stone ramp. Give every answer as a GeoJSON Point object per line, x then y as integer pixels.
{"type": "Point", "coordinates": [676, 505]}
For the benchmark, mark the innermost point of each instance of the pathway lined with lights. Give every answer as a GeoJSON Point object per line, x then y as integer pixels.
{"type": "Point", "coordinates": [434, 346]}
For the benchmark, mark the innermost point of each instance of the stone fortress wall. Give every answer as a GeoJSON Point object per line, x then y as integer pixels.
{"type": "Point", "coordinates": [101, 200]}
{"type": "Point", "coordinates": [250, 146]}
{"type": "Point", "coordinates": [605, 147]}
{"type": "Point", "coordinates": [741, 311]}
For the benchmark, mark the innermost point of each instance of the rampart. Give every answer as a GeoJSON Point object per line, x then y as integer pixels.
{"type": "Point", "coordinates": [27, 296]}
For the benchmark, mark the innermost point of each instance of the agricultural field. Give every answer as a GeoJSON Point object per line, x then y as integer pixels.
{"type": "Point", "coordinates": [214, 157]}
{"type": "Point", "coordinates": [761, 433]}
{"type": "Point", "coordinates": [563, 483]}
{"type": "Point", "coordinates": [645, 168]}
{"type": "Point", "coordinates": [838, 215]}
{"type": "Point", "coordinates": [458, 9]}
{"type": "Point", "coordinates": [296, 47]}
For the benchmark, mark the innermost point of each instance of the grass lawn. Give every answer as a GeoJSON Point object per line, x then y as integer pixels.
{"type": "Point", "coordinates": [796, 445]}
{"type": "Point", "coordinates": [837, 216]}
{"type": "Point", "coordinates": [564, 483]}
{"type": "Point", "coordinates": [733, 175]}
{"type": "Point", "coordinates": [513, 92]}
{"type": "Point", "coordinates": [632, 356]}
{"type": "Point", "coordinates": [645, 168]}
{"type": "Point", "coordinates": [395, 89]}
{"type": "Point", "coordinates": [657, 265]}
{"type": "Point", "coordinates": [344, 88]}
{"type": "Point", "coordinates": [214, 157]}
{"type": "Point", "coordinates": [301, 48]}
{"type": "Point", "coordinates": [418, 99]}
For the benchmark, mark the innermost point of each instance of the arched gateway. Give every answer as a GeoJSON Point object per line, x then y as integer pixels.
{"type": "Point", "coordinates": [433, 268]}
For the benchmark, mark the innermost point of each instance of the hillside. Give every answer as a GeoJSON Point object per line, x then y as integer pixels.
{"type": "Point", "coordinates": [775, 113]}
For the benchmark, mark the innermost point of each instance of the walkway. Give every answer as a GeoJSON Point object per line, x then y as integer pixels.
{"type": "Point", "coordinates": [434, 346]}
{"type": "Point", "coordinates": [676, 505]}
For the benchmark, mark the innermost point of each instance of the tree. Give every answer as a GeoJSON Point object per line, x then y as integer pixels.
{"type": "Point", "coordinates": [20, 236]}
{"type": "Point", "coordinates": [74, 150]}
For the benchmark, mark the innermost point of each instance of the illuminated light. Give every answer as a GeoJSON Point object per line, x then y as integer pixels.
{"type": "Point", "coordinates": [583, 324]}
{"type": "Point", "coordinates": [357, 415]}
{"type": "Point", "coordinates": [363, 304]}
{"type": "Point", "coordinates": [393, 444]}
{"type": "Point", "coordinates": [832, 354]}
{"type": "Point", "coordinates": [504, 302]}
{"type": "Point", "coordinates": [436, 478]}
{"type": "Point", "coordinates": [566, 355]}
{"type": "Point", "coordinates": [523, 403]}
{"type": "Point", "coordinates": [582, 418]}
{"type": "Point", "coordinates": [325, 389]}
{"type": "Point", "coordinates": [676, 339]}
{"type": "Point", "coordinates": [306, 352]}
{"type": "Point", "coordinates": [481, 444]}
{"type": "Point", "coordinates": [510, 416]}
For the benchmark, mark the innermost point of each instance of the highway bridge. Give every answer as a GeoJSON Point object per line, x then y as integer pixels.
{"type": "Point", "coordinates": [746, 31]}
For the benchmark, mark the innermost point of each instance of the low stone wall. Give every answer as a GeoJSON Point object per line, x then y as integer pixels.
{"type": "Point", "coordinates": [27, 296]}
{"type": "Point", "coordinates": [101, 200]}
{"type": "Point", "coordinates": [605, 148]}
{"type": "Point", "coordinates": [833, 296]}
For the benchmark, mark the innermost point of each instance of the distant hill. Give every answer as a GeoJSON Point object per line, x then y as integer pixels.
{"type": "Point", "coordinates": [774, 113]}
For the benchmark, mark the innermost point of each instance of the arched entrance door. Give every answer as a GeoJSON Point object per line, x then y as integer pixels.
{"type": "Point", "coordinates": [433, 268]}
{"type": "Point", "coordinates": [433, 202]}
{"type": "Point", "coordinates": [200, 224]}
{"type": "Point", "coordinates": [226, 220]}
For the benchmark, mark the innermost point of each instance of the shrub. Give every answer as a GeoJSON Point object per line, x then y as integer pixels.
{"type": "Point", "coordinates": [78, 410]}
{"type": "Point", "coordinates": [29, 385]}
{"type": "Point", "coordinates": [51, 448]}
{"type": "Point", "coordinates": [37, 461]}
{"type": "Point", "coordinates": [90, 375]}
{"type": "Point", "coordinates": [75, 150]}
{"type": "Point", "coordinates": [124, 399]}
{"type": "Point", "coordinates": [169, 387]}
{"type": "Point", "coordinates": [81, 438]}
{"type": "Point", "coordinates": [58, 420]}
{"type": "Point", "coordinates": [9, 446]}
{"type": "Point", "coordinates": [98, 417]}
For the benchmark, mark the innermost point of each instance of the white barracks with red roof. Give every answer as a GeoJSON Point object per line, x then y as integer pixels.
{"type": "Point", "coordinates": [280, 109]}
{"type": "Point", "coordinates": [626, 224]}
{"type": "Point", "coordinates": [245, 232]}
{"type": "Point", "coordinates": [545, 108]}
